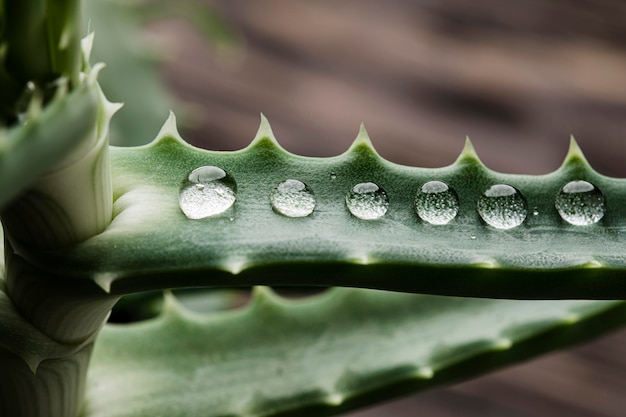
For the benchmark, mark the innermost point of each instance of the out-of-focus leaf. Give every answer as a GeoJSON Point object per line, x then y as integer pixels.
{"type": "Point", "coordinates": [321, 356]}
{"type": "Point", "coordinates": [131, 75]}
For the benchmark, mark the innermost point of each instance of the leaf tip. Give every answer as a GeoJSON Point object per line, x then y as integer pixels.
{"type": "Point", "coordinates": [104, 281]}
{"type": "Point", "coordinates": [264, 133]}
{"type": "Point", "coordinates": [334, 399]}
{"type": "Point", "coordinates": [468, 153]}
{"type": "Point", "coordinates": [362, 142]}
{"type": "Point", "coordinates": [92, 76]}
{"type": "Point", "coordinates": [170, 129]}
{"type": "Point", "coordinates": [361, 259]}
{"type": "Point", "coordinates": [424, 372]}
{"type": "Point", "coordinates": [32, 362]}
{"type": "Point", "coordinates": [574, 155]}
{"type": "Point", "coordinates": [264, 297]}
{"type": "Point", "coordinates": [593, 264]}
{"type": "Point", "coordinates": [86, 45]}
{"type": "Point", "coordinates": [503, 343]}
{"type": "Point", "coordinates": [363, 135]}
{"type": "Point", "coordinates": [111, 108]}
{"type": "Point", "coordinates": [571, 318]}
{"type": "Point", "coordinates": [170, 304]}
{"type": "Point", "coordinates": [486, 263]}
{"type": "Point", "coordinates": [235, 266]}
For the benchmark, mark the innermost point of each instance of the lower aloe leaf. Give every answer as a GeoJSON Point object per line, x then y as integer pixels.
{"type": "Point", "coordinates": [262, 216]}
{"type": "Point", "coordinates": [322, 355]}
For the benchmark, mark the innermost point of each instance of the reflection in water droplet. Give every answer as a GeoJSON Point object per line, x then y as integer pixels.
{"type": "Point", "coordinates": [436, 203]}
{"type": "Point", "coordinates": [293, 198]}
{"type": "Point", "coordinates": [206, 192]}
{"type": "Point", "coordinates": [367, 201]}
{"type": "Point", "coordinates": [502, 207]}
{"type": "Point", "coordinates": [580, 203]}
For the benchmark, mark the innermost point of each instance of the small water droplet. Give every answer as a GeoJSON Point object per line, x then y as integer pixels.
{"type": "Point", "coordinates": [207, 191]}
{"type": "Point", "coordinates": [535, 211]}
{"type": "Point", "coordinates": [436, 203]}
{"type": "Point", "coordinates": [473, 237]}
{"type": "Point", "coordinates": [367, 201]}
{"type": "Point", "coordinates": [580, 203]}
{"type": "Point", "coordinates": [333, 176]}
{"type": "Point", "coordinates": [502, 207]}
{"type": "Point", "coordinates": [292, 198]}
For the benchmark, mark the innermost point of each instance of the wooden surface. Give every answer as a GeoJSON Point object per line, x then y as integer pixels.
{"type": "Point", "coordinates": [517, 77]}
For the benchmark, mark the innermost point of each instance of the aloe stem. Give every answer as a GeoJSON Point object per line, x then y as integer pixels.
{"type": "Point", "coordinates": [68, 202]}
{"type": "Point", "coordinates": [56, 389]}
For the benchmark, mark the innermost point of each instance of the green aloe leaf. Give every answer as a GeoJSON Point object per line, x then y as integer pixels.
{"type": "Point", "coordinates": [322, 355]}
{"type": "Point", "coordinates": [30, 150]}
{"type": "Point", "coordinates": [151, 244]}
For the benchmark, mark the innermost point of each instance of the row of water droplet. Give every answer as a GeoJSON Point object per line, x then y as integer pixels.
{"type": "Point", "coordinates": [209, 191]}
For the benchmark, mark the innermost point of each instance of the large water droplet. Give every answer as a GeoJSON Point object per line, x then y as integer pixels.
{"type": "Point", "coordinates": [502, 207]}
{"type": "Point", "coordinates": [206, 192]}
{"type": "Point", "coordinates": [367, 201]}
{"type": "Point", "coordinates": [436, 203]}
{"type": "Point", "coordinates": [580, 203]}
{"type": "Point", "coordinates": [293, 198]}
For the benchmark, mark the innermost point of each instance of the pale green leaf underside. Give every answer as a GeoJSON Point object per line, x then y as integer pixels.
{"type": "Point", "coordinates": [323, 355]}
{"type": "Point", "coordinates": [30, 150]}
{"type": "Point", "coordinates": [151, 244]}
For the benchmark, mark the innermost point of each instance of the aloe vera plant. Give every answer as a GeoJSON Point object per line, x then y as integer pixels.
{"type": "Point", "coordinates": [93, 223]}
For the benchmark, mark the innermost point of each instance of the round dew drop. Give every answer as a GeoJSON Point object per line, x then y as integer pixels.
{"type": "Point", "coordinates": [367, 201]}
{"type": "Point", "coordinates": [292, 198]}
{"type": "Point", "coordinates": [502, 206]}
{"type": "Point", "coordinates": [436, 203]}
{"type": "Point", "coordinates": [207, 191]}
{"type": "Point", "coordinates": [580, 203]}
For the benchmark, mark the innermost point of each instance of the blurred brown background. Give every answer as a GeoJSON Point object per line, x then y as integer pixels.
{"type": "Point", "coordinates": [516, 77]}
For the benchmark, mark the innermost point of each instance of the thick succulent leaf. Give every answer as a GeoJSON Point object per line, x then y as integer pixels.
{"type": "Point", "coordinates": [151, 244]}
{"type": "Point", "coordinates": [322, 355]}
{"type": "Point", "coordinates": [30, 150]}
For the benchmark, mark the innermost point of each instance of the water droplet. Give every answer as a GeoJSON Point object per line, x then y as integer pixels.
{"type": "Point", "coordinates": [580, 203]}
{"type": "Point", "coordinates": [502, 207]}
{"type": "Point", "coordinates": [293, 198]}
{"type": "Point", "coordinates": [535, 211]}
{"type": "Point", "coordinates": [473, 237]}
{"type": "Point", "coordinates": [333, 176]}
{"type": "Point", "coordinates": [367, 201]}
{"type": "Point", "coordinates": [206, 192]}
{"type": "Point", "coordinates": [436, 203]}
